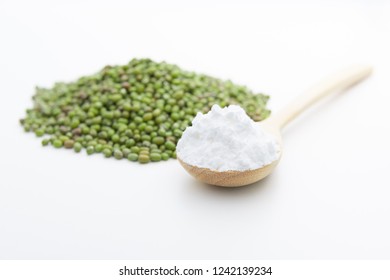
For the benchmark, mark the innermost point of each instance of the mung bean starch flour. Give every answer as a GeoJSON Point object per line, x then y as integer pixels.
{"type": "Point", "coordinates": [226, 139]}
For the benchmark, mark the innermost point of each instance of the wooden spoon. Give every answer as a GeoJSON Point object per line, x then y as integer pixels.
{"type": "Point", "coordinates": [273, 125]}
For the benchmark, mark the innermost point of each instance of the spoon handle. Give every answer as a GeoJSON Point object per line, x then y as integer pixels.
{"type": "Point", "coordinates": [337, 82]}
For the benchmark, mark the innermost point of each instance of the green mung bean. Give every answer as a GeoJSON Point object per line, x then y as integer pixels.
{"type": "Point", "coordinates": [136, 111]}
{"type": "Point", "coordinates": [77, 147]}
{"type": "Point", "coordinates": [143, 158]}
{"type": "Point", "coordinates": [132, 157]}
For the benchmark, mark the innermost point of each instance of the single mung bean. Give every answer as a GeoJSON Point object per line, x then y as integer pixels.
{"type": "Point", "coordinates": [77, 147]}
{"type": "Point", "coordinates": [132, 157]}
{"type": "Point", "coordinates": [155, 157]}
{"type": "Point", "coordinates": [45, 142]}
{"type": "Point", "coordinates": [90, 150]}
{"type": "Point", "coordinates": [68, 144]}
{"type": "Point", "coordinates": [39, 132]}
{"type": "Point", "coordinates": [98, 148]}
{"type": "Point", "coordinates": [107, 152]}
{"type": "Point", "coordinates": [57, 143]}
{"type": "Point", "coordinates": [158, 140]}
{"type": "Point", "coordinates": [135, 150]}
{"type": "Point", "coordinates": [170, 145]}
{"type": "Point", "coordinates": [143, 158]}
{"type": "Point", "coordinates": [118, 154]}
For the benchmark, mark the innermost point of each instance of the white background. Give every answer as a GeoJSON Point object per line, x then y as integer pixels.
{"type": "Point", "coordinates": [328, 199]}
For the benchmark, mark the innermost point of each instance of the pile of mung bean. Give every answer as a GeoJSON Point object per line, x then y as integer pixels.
{"type": "Point", "coordinates": [136, 111]}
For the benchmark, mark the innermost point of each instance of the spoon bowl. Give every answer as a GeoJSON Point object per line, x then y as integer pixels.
{"type": "Point", "coordinates": [229, 178]}
{"type": "Point", "coordinates": [273, 126]}
{"type": "Point", "coordinates": [233, 178]}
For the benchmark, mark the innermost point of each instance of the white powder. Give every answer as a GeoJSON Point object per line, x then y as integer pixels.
{"type": "Point", "coordinates": [226, 139]}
